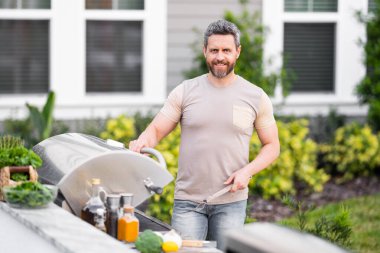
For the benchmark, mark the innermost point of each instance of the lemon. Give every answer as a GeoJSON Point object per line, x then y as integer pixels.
{"type": "Point", "coordinates": [170, 246]}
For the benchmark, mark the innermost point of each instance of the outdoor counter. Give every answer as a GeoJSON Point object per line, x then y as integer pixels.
{"type": "Point", "coordinates": [66, 232]}
{"type": "Point", "coordinates": [54, 229]}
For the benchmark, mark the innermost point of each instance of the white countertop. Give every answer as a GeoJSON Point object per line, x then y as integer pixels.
{"type": "Point", "coordinates": [58, 229]}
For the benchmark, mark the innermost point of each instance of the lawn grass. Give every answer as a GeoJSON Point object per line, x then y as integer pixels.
{"type": "Point", "coordinates": [365, 218]}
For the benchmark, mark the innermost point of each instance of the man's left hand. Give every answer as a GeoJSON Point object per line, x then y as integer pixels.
{"type": "Point", "coordinates": [239, 179]}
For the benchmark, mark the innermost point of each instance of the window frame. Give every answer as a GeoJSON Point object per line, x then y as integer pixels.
{"type": "Point", "coordinates": [348, 67]}
{"type": "Point", "coordinates": [310, 8]}
{"type": "Point", "coordinates": [67, 19]}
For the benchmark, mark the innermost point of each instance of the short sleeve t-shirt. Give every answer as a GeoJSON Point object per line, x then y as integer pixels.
{"type": "Point", "coordinates": [216, 126]}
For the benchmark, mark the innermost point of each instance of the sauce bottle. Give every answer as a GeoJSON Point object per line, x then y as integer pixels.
{"type": "Point", "coordinates": [128, 225]}
{"type": "Point", "coordinates": [89, 210]}
{"type": "Point", "coordinates": [113, 202]}
{"type": "Point", "coordinates": [99, 220]}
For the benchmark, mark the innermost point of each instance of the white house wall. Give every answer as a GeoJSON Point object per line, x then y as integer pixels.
{"type": "Point", "coordinates": [349, 68]}
{"type": "Point", "coordinates": [168, 33]}
{"type": "Point", "coordinates": [68, 56]}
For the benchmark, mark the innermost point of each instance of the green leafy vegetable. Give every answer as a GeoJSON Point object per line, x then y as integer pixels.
{"type": "Point", "coordinates": [29, 194]}
{"type": "Point", "coordinates": [19, 156]}
{"type": "Point", "coordinates": [19, 177]}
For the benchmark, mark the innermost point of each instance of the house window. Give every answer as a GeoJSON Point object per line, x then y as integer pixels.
{"type": "Point", "coordinates": [100, 56]}
{"type": "Point", "coordinates": [115, 4]}
{"type": "Point", "coordinates": [25, 4]}
{"type": "Point", "coordinates": [371, 5]}
{"type": "Point", "coordinates": [24, 50]}
{"type": "Point", "coordinates": [311, 5]}
{"type": "Point", "coordinates": [24, 56]}
{"type": "Point", "coordinates": [114, 56]}
{"type": "Point", "coordinates": [309, 51]}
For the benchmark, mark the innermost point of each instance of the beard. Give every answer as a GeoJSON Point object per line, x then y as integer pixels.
{"type": "Point", "coordinates": [220, 73]}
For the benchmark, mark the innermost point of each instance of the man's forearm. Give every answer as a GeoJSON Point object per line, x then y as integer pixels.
{"type": "Point", "coordinates": [266, 156]}
{"type": "Point", "coordinates": [157, 129]}
{"type": "Point", "coordinates": [149, 136]}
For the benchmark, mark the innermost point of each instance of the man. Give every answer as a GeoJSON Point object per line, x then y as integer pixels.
{"type": "Point", "coordinates": [218, 112]}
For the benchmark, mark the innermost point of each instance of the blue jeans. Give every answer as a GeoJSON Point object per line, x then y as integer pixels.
{"type": "Point", "coordinates": [200, 222]}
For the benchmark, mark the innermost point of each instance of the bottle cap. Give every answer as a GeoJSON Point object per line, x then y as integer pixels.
{"type": "Point", "coordinates": [95, 181]}
{"type": "Point", "coordinates": [126, 199]}
{"type": "Point", "coordinates": [113, 201]}
{"type": "Point", "coordinates": [126, 194]}
{"type": "Point", "coordinates": [128, 209]}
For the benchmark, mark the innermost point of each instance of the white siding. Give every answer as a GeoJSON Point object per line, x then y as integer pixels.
{"type": "Point", "coordinates": [183, 17]}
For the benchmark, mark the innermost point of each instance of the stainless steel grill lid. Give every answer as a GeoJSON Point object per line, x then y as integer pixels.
{"type": "Point", "coordinates": [71, 160]}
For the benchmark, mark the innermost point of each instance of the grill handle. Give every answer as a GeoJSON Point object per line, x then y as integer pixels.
{"type": "Point", "coordinates": [151, 151]}
{"type": "Point", "coordinates": [155, 153]}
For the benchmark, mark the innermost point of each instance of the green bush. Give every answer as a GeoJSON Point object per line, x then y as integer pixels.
{"type": "Point", "coordinates": [355, 151]}
{"type": "Point", "coordinates": [368, 89]}
{"type": "Point", "coordinates": [142, 121]}
{"type": "Point", "coordinates": [297, 163]}
{"type": "Point", "coordinates": [21, 128]}
{"type": "Point", "coordinates": [336, 228]}
{"type": "Point", "coordinates": [39, 124]}
{"type": "Point", "coordinates": [121, 129]}
{"type": "Point", "coordinates": [42, 120]}
{"type": "Point", "coordinates": [161, 205]}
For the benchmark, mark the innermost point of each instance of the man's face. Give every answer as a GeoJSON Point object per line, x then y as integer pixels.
{"type": "Point", "coordinates": [221, 54]}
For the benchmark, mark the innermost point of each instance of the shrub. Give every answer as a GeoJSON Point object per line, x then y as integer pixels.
{"type": "Point", "coordinates": [336, 228]}
{"type": "Point", "coordinates": [368, 89]}
{"type": "Point", "coordinates": [297, 163]}
{"type": "Point", "coordinates": [39, 124]}
{"type": "Point", "coordinates": [142, 121]}
{"type": "Point", "coordinates": [161, 205]}
{"type": "Point", "coordinates": [42, 120]}
{"type": "Point", "coordinates": [355, 151]}
{"type": "Point", "coordinates": [121, 129]}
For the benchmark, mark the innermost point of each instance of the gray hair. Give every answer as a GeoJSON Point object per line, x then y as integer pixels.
{"type": "Point", "coordinates": [222, 27]}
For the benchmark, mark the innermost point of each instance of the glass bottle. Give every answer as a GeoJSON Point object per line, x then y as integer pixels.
{"type": "Point", "coordinates": [99, 219]}
{"type": "Point", "coordinates": [89, 210]}
{"type": "Point", "coordinates": [125, 200]}
{"type": "Point", "coordinates": [128, 225]}
{"type": "Point", "coordinates": [113, 203]}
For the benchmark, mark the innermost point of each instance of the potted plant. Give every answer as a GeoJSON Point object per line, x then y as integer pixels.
{"type": "Point", "coordinates": [17, 163]}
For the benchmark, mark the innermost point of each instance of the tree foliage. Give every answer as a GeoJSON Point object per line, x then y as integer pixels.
{"type": "Point", "coordinates": [368, 89]}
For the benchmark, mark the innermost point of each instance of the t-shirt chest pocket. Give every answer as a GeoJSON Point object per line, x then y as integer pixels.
{"type": "Point", "coordinates": [243, 118]}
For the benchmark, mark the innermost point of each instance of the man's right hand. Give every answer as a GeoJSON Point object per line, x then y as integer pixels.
{"type": "Point", "coordinates": [137, 145]}
{"type": "Point", "coordinates": [157, 129]}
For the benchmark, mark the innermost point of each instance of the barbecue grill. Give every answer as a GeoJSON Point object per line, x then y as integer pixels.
{"type": "Point", "coordinates": [71, 160]}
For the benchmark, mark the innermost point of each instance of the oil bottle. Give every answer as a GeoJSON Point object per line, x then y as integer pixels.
{"type": "Point", "coordinates": [88, 212]}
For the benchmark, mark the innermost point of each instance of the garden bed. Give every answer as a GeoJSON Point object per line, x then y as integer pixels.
{"type": "Point", "coordinates": [273, 210]}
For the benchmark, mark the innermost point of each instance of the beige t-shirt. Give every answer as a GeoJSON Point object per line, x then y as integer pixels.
{"type": "Point", "coordinates": [216, 127]}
